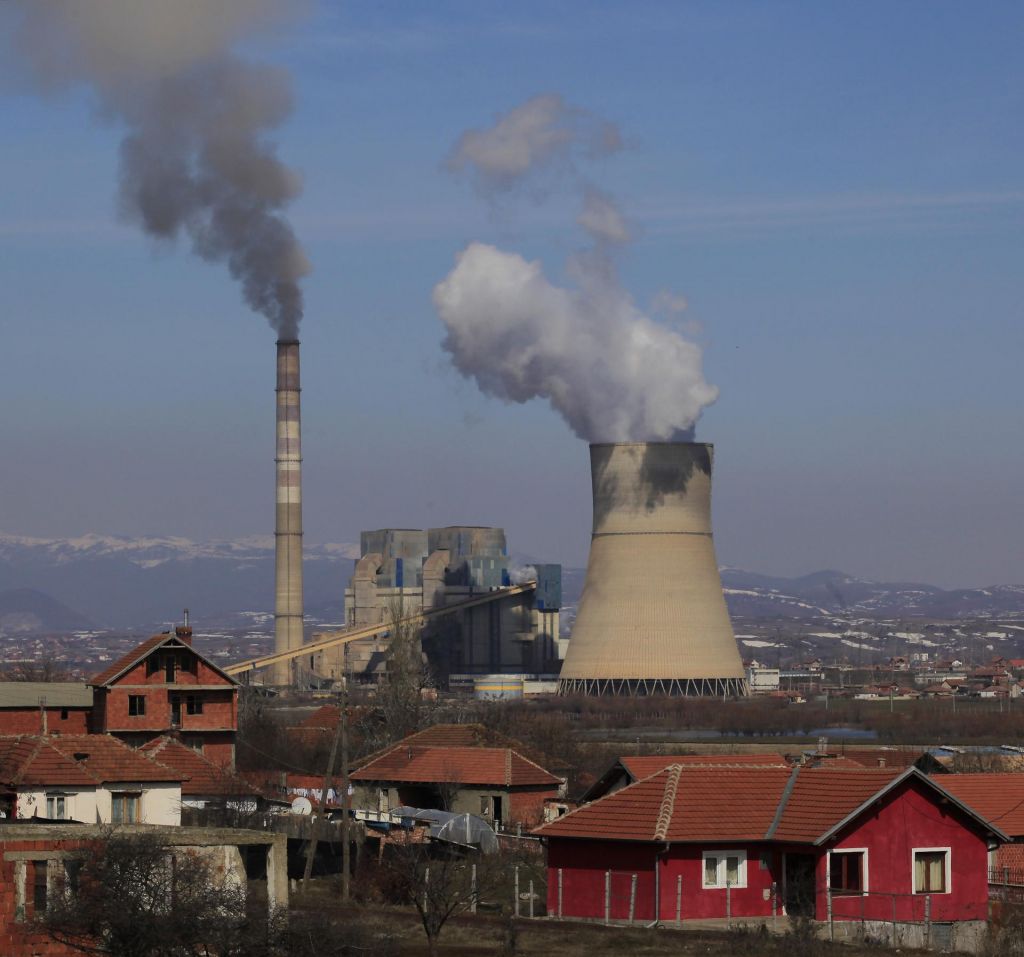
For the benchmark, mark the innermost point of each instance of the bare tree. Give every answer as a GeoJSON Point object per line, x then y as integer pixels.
{"type": "Point", "coordinates": [438, 884]}
{"type": "Point", "coordinates": [131, 895]}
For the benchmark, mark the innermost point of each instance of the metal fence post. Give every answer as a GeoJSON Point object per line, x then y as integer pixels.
{"type": "Point", "coordinates": [775, 906]}
{"type": "Point", "coordinates": [632, 897]}
{"type": "Point", "coordinates": [517, 887]}
{"type": "Point", "coordinates": [531, 897]}
{"type": "Point", "coordinates": [679, 899]}
{"type": "Point", "coordinates": [559, 892]}
{"type": "Point", "coordinates": [927, 921]}
{"type": "Point", "coordinates": [828, 907]}
{"type": "Point", "coordinates": [607, 897]}
{"type": "Point", "coordinates": [426, 885]}
{"type": "Point", "coordinates": [472, 889]}
{"type": "Point", "coordinates": [728, 903]}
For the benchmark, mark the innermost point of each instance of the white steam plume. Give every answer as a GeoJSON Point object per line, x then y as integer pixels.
{"type": "Point", "coordinates": [194, 158]}
{"type": "Point", "coordinates": [614, 373]}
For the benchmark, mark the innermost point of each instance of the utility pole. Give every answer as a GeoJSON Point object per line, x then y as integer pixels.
{"type": "Point", "coordinates": [346, 799]}
{"type": "Point", "coordinates": [315, 824]}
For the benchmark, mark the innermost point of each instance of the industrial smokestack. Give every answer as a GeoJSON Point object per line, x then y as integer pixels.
{"type": "Point", "coordinates": [652, 617]}
{"type": "Point", "coordinates": [288, 529]}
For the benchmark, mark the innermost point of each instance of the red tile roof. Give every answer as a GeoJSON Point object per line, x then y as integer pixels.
{"type": "Point", "coordinates": [698, 804]}
{"type": "Point", "coordinates": [462, 736]}
{"type": "Point", "coordinates": [643, 766]}
{"type": "Point", "coordinates": [496, 767]}
{"type": "Point", "coordinates": [998, 797]}
{"type": "Point", "coordinates": [884, 757]}
{"type": "Point", "coordinates": [201, 776]}
{"type": "Point", "coordinates": [822, 797]}
{"type": "Point", "coordinates": [28, 760]}
{"type": "Point", "coordinates": [84, 760]}
{"type": "Point", "coordinates": [128, 660]}
{"type": "Point", "coordinates": [140, 652]}
{"type": "Point", "coordinates": [109, 759]}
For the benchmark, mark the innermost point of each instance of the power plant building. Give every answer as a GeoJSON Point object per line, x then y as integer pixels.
{"type": "Point", "coordinates": [652, 617]}
{"type": "Point", "coordinates": [402, 572]}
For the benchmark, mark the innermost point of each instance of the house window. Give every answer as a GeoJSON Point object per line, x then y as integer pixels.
{"type": "Point", "coordinates": [152, 665]}
{"type": "Point", "coordinates": [931, 870]}
{"type": "Point", "coordinates": [196, 744]}
{"type": "Point", "coordinates": [125, 807]}
{"type": "Point", "coordinates": [63, 714]}
{"type": "Point", "coordinates": [40, 882]}
{"type": "Point", "coordinates": [56, 807]}
{"type": "Point", "coordinates": [169, 668]}
{"type": "Point", "coordinates": [847, 872]}
{"type": "Point", "coordinates": [136, 705]}
{"type": "Point", "coordinates": [725, 868]}
{"type": "Point", "coordinates": [193, 704]}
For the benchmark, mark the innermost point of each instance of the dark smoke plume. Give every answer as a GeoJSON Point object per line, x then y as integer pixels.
{"type": "Point", "coordinates": [195, 159]}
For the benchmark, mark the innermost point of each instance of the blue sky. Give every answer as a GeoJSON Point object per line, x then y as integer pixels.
{"type": "Point", "coordinates": [837, 190]}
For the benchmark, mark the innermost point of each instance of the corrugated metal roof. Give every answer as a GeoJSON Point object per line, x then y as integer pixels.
{"type": "Point", "coordinates": [57, 694]}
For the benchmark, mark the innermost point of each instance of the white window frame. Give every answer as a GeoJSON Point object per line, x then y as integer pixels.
{"type": "Point", "coordinates": [863, 851]}
{"type": "Point", "coordinates": [720, 868]}
{"type": "Point", "coordinates": [54, 796]}
{"type": "Point", "coordinates": [914, 851]}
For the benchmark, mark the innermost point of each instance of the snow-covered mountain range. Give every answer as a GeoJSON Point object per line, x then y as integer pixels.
{"type": "Point", "coordinates": [136, 582]}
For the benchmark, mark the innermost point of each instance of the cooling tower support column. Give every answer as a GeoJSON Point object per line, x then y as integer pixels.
{"type": "Point", "coordinates": [288, 527]}
{"type": "Point", "coordinates": [652, 617]}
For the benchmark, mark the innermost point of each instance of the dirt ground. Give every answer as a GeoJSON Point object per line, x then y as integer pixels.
{"type": "Point", "coordinates": [488, 936]}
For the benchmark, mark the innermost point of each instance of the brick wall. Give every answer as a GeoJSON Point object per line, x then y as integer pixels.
{"type": "Point", "coordinates": [21, 937]}
{"type": "Point", "coordinates": [29, 721]}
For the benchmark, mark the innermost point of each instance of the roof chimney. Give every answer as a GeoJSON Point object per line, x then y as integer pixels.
{"type": "Point", "coordinates": [184, 632]}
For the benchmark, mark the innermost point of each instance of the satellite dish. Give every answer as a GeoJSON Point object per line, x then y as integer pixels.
{"type": "Point", "coordinates": [302, 805]}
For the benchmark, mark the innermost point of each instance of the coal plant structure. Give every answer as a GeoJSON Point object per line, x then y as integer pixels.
{"type": "Point", "coordinates": [652, 616]}
{"type": "Point", "coordinates": [288, 527]}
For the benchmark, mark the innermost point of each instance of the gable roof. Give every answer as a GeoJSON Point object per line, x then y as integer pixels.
{"type": "Point", "coordinates": [998, 797]}
{"type": "Point", "coordinates": [804, 805]}
{"type": "Point", "coordinates": [141, 652]}
{"type": "Point", "coordinates": [80, 760]}
{"type": "Point", "coordinates": [54, 694]}
{"type": "Point", "coordinates": [201, 775]}
{"type": "Point", "coordinates": [500, 767]}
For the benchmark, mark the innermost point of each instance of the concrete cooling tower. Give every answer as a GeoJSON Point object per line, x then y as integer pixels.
{"type": "Point", "coordinates": [652, 617]}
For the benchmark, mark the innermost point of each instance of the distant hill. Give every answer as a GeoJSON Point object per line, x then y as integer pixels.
{"type": "Point", "coordinates": [836, 593]}
{"type": "Point", "coordinates": [139, 583]}
{"type": "Point", "coordinates": [28, 611]}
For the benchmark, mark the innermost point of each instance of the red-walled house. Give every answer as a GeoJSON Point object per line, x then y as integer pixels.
{"type": "Point", "coordinates": [498, 784]}
{"type": "Point", "coordinates": [44, 707]}
{"type": "Point", "coordinates": [165, 685]}
{"type": "Point", "coordinates": [859, 844]}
